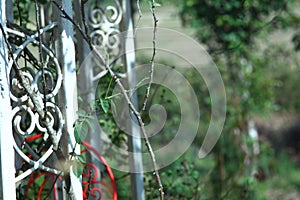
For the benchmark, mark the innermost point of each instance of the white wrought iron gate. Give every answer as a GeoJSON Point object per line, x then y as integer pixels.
{"type": "Point", "coordinates": [38, 98]}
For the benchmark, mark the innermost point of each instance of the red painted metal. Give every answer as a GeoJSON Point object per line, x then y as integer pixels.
{"type": "Point", "coordinates": [108, 169]}
{"type": "Point", "coordinates": [91, 177]}
{"type": "Point", "coordinates": [29, 139]}
{"type": "Point", "coordinates": [47, 175]}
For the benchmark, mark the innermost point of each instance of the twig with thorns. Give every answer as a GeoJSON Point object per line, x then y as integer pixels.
{"type": "Point", "coordinates": [151, 71]}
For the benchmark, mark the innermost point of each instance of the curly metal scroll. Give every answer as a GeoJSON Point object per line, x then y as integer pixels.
{"type": "Point", "coordinates": [104, 22]}
{"type": "Point", "coordinates": [25, 118]}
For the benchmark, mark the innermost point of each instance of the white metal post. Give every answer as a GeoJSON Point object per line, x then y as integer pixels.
{"type": "Point", "coordinates": [65, 51]}
{"type": "Point", "coordinates": [134, 140]}
{"type": "Point", "coordinates": [7, 169]}
{"type": "Point", "coordinates": [86, 84]}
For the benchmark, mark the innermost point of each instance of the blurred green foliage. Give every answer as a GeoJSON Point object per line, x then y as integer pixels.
{"type": "Point", "coordinates": [255, 79]}
{"type": "Point", "coordinates": [234, 24]}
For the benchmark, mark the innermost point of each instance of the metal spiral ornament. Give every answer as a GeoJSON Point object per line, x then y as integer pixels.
{"type": "Point", "coordinates": [28, 126]}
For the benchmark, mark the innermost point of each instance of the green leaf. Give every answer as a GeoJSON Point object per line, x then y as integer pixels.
{"type": "Point", "coordinates": [195, 174]}
{"type": "Point", "coordinates": [93, 105]}
{"type": "Point", "coordinates": [113, 107]}
{"type": "Point", "coordinates": [89, 117]}
{"type": "Point", "coordinates": [81, 113]}
{"type": "Point", "coordinates": [90, 124]}
{"type": "Point", "coordinates": [84, 131]}
{"type": "Point", "coordinates": [81, 158]}
{"type": "Point", "coordinates": [78, 168]}
{"type": "Point", "coordinates": [150, 5]}
{"type": "Point", "coordinates": [102, 122]}
{"type": "Point", "coordinates": [80, 131]}
{"type": "Point", "coordinates": [155, 4]}
{"type": "Point", "coordinates": [79, 98]}
{"type": "Point", "coordinates": [77, 134]}
{"type": "Point", "coordinates": [104, 103]}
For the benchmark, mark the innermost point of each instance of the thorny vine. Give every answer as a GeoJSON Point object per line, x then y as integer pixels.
{"type": "Point", "coordinates": [151, 72]}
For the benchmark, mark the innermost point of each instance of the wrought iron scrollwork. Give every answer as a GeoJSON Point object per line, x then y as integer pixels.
{"type": "Point", "coordinates": [97, 183]}
{"type": "Point", "coordinates": [32, 143]}
{"type": "Point", "coordinates": [104, 22]}
{"type": "Point", "coordinates": [26, 121]}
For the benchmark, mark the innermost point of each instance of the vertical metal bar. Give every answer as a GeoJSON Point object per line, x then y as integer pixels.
{"type": "Point", "coordinates": [134, 141]}
{"type": "Point", "coordinates": [65, 51]}
{"type": "Point", "coordinates": [87, 86]}
{"type": "Point", "coordinates": [9, 10]}
{"type": "Point", "coordinates": [82, 46]}
{"type": "Point", "coordinates": [7, 169]}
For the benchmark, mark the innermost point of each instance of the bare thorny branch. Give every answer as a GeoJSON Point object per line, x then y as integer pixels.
{"type": "Point", "coordinates": [82, 3]}
{"type": "Point", "coordinates": [136, 113]}
{"type": "Point", "coordinates": [140, 14]}
{"type": "Point", "coordinates": [151, 72]}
